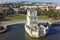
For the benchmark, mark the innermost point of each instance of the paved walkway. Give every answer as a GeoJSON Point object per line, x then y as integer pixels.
{"type": "Point", "coordinates": [6, 23]}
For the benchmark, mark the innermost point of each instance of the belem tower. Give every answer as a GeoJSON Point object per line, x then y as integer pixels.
{"type": "Point", "coordinates": [32, 27]}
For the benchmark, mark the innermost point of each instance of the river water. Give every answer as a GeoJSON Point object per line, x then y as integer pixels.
{"type": "Point", "coordinates": [17, 32]}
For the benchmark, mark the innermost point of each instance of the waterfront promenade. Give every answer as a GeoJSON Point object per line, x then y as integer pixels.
{"type": "Point", "coordinates": [6, 23]}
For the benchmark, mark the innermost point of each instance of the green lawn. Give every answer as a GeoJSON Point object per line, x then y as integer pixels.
{"type": "Point", "coordinates": [42, 17]}
{"type": "Point", "coordinates": [17, 17]}
{"type": "Point", "coordinates": [23, 17]}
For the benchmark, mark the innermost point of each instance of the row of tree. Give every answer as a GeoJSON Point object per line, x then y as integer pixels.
{"type": "Point", "coordinates": [52, 13]}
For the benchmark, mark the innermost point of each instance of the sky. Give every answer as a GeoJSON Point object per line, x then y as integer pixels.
{"type": "Point", "coordinates": [52, 1]}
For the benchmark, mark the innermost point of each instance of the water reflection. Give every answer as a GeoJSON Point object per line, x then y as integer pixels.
{"type": "Point", "coordinates": [27, 37]}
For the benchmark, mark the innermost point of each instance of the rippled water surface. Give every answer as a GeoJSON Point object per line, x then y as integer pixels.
{"type": "Point", "coordinates": [17, 32]}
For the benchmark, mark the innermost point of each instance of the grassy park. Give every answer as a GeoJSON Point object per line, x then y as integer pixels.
{"type": "Point", "coordinates": [53, 14]}
{"type": "Point", "coordinates": [23, 17]}
{"type": "Point", "coordinates": [17, 17]}
{"type": "Point", "coordinates": [42, 17]}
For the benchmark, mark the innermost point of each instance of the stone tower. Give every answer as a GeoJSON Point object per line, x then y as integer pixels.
{"type": "Point", "coordinates": [32, 27]}
{"type": "Point", "coordinates": [31, 17]}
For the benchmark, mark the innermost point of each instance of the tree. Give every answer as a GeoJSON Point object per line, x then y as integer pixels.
{"type": "Point", "coordinates": [2, 15]}
{"type": "Point", "coordinates": [38, 11]}
{"type": "Point", "coordinates": [53, 14]}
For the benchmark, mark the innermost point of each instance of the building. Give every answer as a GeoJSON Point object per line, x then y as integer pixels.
{"type": "Point", "coordinates": [25, 7]}
{"type": "Point", "coordinates": [43, 7]}
{"type": "Point", "coordinates": [57, 7]}
{"type": "Point", "coordinates": [32, 27]}
{"type": "Point", "coordinates": [18, 10]}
